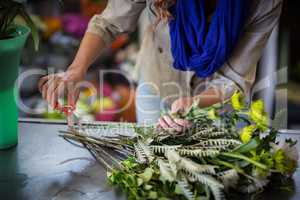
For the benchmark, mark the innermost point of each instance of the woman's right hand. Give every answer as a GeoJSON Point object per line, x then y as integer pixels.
{"type": "Point", "coordinates": [54, 86]}
{"type": "Point", "coordinates": [168, 122]}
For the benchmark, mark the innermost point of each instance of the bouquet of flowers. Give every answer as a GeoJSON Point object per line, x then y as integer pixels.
{"type": "Point", "coordinates": [229, 147]}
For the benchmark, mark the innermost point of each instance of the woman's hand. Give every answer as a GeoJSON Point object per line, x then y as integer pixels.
{"type": "Point", "coordinates": [168, 122]}
{"type": "Point", "coordinates": [208, 97]}
{"type": "Point", "coordinates": [56, 85]}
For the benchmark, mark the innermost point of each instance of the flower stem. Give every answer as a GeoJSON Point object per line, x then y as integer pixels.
{"type": "Point", "coordinates": [229, 165]}
{"type": "Point", "coordinates": [239, 156]}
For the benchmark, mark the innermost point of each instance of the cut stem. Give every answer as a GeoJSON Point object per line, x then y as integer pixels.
{"type": "Point", "coordinates": [239, 156]}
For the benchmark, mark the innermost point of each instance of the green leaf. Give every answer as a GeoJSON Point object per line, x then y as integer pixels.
{"type": "Point", "coordinates": [279, 158]}
{"type": "Point", "coordinates": [178, 189]}
{"type": "Point", "coordinates": [32, 26]}
{"type": "Point", "coordinates": [129, 163]}
{"type": "Point", "coordinates": [212, 114]}
{"type": "Point", "coordinates": [148, 187]}
{"type": "Point", "coordinates": [147, 175]}
{"type": "Point", "coordinates": [165, 171]}
{"type": "Point", "coordinates": [198, 153]}
{"type": "Point", "coordinates": [242, 157]}
{"type": "Point", "coordinates": [130, 179]}
{"type": "Point", "coordinates": [214, 185]}
{"type": "Point", "coordinates": [108, 174]}
{"type": "Point", "coordinates": [185, 189]}
{"type": "Point", "coordinates": [152, 195]}
{"type": "Point", "coordinates": [163, 198]}
{"type": "Point", "coordinates": [9, 10]}
{"type": "Point", "coordinates": [140, 181]}
{"type": "Point", "coordinates": [251, 145]}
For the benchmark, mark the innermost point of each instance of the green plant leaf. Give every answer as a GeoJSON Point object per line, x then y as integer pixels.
{"type": "Point", "coordinates": [32, 26]}
{"type": "Point", "coordinates": [166, 173]}
{"type": "Point", "coordinates": [185, 190]}
{"type": "Point", "coordinates": [152, 195]}
{"type": "Point", "coordinates": [251, 145]}
{"type": "Point", "coordinates": [147, 175]}
{"type": "Point", "coordinates": [242, 157]}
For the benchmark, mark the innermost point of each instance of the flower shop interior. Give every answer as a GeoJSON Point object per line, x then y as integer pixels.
{"type": "Point", "coordinates": [43, 164]}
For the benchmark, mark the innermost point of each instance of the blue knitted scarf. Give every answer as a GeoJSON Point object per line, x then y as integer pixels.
{"type": "Point", "coordinates": [201, 48]}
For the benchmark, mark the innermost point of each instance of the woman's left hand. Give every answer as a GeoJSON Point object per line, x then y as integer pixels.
{"type": "Point", "coordinates": [168, 122]}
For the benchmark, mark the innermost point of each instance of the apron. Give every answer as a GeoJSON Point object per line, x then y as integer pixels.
{"type": "Point", "coordinates": [159, 84]}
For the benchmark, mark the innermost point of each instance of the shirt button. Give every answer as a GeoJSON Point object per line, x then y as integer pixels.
{"type": "Point", "coordinates": [160, 50]}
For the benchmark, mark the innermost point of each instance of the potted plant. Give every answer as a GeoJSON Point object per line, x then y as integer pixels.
{"type": "Point", "coordinates": [12, 40]}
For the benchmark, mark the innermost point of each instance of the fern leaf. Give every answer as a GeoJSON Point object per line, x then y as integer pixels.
{"type": "Point", "coordinates": [184, 187]}
{"type": "Point", "coordinates": [255, 186]}
{"type": "Point", "coordinates": [147, 151]}
{"type": "Point", "coordinates": [165, 171]}
{"type": "Point", "coordinates": [161, 138]}
{"type": "Point", "coordinates": [187, 164]}
{"type": "Point", "coordinates": [214, 185]}
{"type": "Point", "coordinates": [229, 178]}
{"type": "Point", "coordinates": [163, 149]}
{"type": "Point", "coordinates": [173, 156]}
{"type": "Point", "coordinates": [215, 147]}
{"type": "Point", "coordinates": [218, 142]}
{"type": "Point", "coordinates": [139, 154]}
{"type": "Point", "coordinates": [198, 153]}
{"type": "Point", "coordinates": [209, 132]}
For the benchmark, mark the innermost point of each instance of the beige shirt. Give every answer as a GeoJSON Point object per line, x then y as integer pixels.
{"type": "Point", "coordinates": [155, 60]}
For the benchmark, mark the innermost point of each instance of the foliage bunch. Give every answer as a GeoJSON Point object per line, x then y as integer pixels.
{"type": "Point", "coordinates": [202, 162]}
{"type": "Point", "coordinates": [9, 10]}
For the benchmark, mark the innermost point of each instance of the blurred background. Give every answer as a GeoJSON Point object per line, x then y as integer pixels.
{"type": "Point", "coordinates": [61, 27]}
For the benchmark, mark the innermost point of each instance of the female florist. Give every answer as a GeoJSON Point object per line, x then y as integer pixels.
{"type": "Point", "coordinates": [149, 99]}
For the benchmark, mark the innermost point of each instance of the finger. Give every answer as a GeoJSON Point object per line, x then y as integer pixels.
{"type": "Point", "coordinates": [183, 122]}
{"type": "Point", "coordinates": [175, 109]}
{"type": "Point", "coordinates": [45, 86]}
{"type": "Point", "coordinates": [171, 123]}
{"type": "Point", "coordinates": [51, 88]}
{"type": "Point", "coordinates": [181, 104]}
{"type": "Point", "coordinates": [163, 124]}
{"type": "Point", "coordinates": [57, 92]}
{"type": "Point", "coordinates": [76, 96]}
{"type": "Point", "coordinates": [41, 82]}
{"type": "Point", "coordinates": [44, 90]}
{"type": "Point", "coordinates": [65, 76]}
{"type": "Point", "coordinates": [71, 97]}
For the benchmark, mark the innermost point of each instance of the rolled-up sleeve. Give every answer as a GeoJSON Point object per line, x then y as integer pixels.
{"type": "Point", "coordinates": [241, 66]}
{"type": "Point", "coordinates": [119, 16]}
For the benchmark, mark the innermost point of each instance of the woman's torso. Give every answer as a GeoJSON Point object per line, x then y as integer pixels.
{"type": "Point", "coordinates": [241, 66]}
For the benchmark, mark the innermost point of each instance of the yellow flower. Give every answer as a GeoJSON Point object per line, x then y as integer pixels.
{"type": "Point", "coordinates": [246, 133]}
{"type": "Point", "coordinates": [212, 114]}
{"type": "Point", "coordinates": [279, 158]}
{"type": "Point", "coordinates": [237, 101]}
{"type": "Point", "coordinates": [102, 104]}
{"type": "Point", "coordinates": [258, 114]}
{"type": "Point", "coordinates": [258, 107]}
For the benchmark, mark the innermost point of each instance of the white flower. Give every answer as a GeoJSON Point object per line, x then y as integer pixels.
{"type": "Point", "coordinates": [291, 153]}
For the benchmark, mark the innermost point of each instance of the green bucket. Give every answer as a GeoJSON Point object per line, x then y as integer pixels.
{"type": "Point", "coordinates": [10, 55]}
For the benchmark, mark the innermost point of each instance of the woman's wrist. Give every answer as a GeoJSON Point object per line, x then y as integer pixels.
{"type": "Point", "coordinates": [78, 68]}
